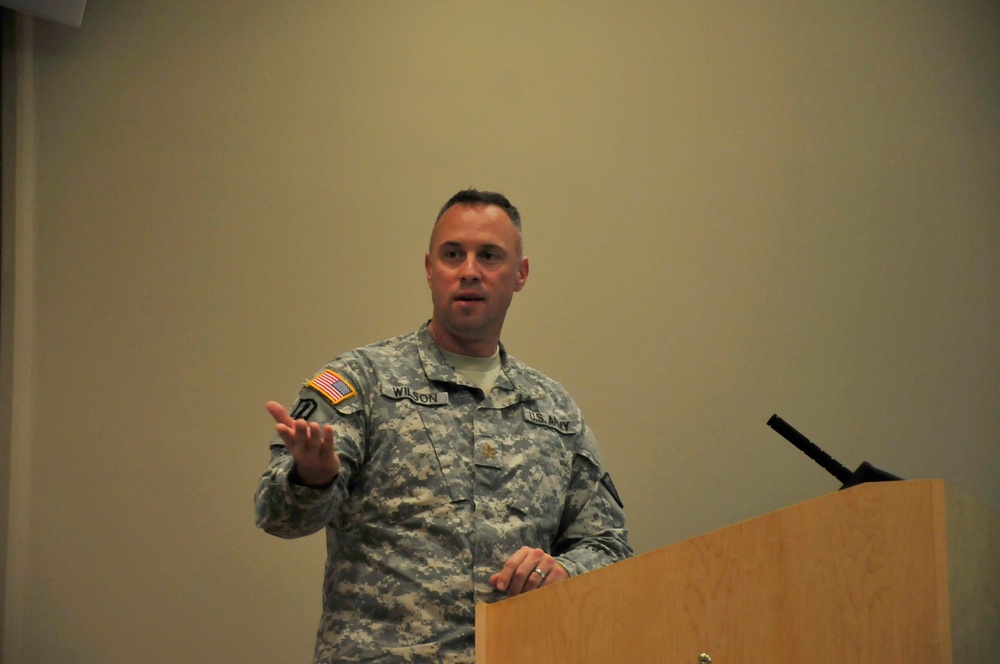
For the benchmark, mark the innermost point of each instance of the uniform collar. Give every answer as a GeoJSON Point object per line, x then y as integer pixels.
{"type": "Point", "coordinates": [512, 371]}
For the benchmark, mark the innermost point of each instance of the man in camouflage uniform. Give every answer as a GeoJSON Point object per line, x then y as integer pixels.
{"type": "Point", "coordinates": [444, 471]}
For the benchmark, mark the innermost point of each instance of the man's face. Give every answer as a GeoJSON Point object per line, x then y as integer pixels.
{"type": "Point", "coordinates": [474, 267]}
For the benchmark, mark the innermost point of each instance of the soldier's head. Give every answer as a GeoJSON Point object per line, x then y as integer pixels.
{"type": "Point", "coordinates": [474, 265]}
{"type": "Point", "coordinates": [475, 197]}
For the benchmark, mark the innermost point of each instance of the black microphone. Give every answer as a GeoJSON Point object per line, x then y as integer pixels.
{"type": "Point", "coordinates": [865, 472]}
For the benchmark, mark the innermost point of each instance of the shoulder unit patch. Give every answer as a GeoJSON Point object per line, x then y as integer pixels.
{"type": "Point", "coordinates": [303, 409]}
{"type": "Point", "coordinates": [333, 386]}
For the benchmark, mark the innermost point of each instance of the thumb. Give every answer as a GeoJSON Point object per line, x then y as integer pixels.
{"type": "Point", "coordinates": [498, 582]}
{"type": "Point", "coordinates": [279, 413]}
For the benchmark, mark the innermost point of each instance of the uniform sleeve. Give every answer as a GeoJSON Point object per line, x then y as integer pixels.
{"type": "Point", "coordinates": [592, 532]}
{"type": "Point", "coordinates": [288, 509]}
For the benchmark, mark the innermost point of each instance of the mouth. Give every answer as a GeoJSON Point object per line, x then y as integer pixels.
{"type": "Point", "coordinates": [469, 297]}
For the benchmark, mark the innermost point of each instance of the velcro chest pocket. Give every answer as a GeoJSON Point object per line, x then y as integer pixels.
{"type": "Point", "coordinates": [403, 472]}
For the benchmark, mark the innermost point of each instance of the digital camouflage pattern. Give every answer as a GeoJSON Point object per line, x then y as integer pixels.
{"type": "Point", "coordinates": [439, 485]}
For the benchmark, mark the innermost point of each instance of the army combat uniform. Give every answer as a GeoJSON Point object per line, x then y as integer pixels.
{"type": "Point", "coordinates": [439, 485]}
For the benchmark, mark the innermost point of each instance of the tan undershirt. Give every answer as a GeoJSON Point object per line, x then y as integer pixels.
{"type": "Point", "coordinates": [480, 371]}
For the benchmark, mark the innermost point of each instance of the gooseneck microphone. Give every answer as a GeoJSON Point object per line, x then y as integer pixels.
{"type": "Point", "coordinates": [865, 472]}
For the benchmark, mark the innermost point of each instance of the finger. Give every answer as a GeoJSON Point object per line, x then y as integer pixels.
{"type": "Point", "coordinates": [546, 571]}
{"type": "Point", "coordinates": [301, 434]}
{"type": "Point", "coordinates": [314, 436]}
{"type": "Point", "coordinates": [316, 460]}
{"type": "Point", "coordinates": [524, 577]}
{"type": "Point", "coordinates": [313, 443]}
{"type": "Point", "coordinates": [556, 574]}
{"type": "Point", "coordinates": [529, 574]}
{"type": "Point", "coordinates": [295, 435]}
{"type": "Point", "coordinates": [501, 580]}
{"type": "Point", "coordinates": [321, 439]}
{"type": "Point", "coordinates": [279, 413]}
{"type": "Point", "coordinates": [283, 423]}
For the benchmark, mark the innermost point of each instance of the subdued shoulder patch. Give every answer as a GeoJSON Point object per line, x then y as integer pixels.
{"type": "Point", "coordinates": [610, 486]}
{"type": "Point", "coordinates": [333, 386]}
{"type": "Point", "coordinates": [303, 409]}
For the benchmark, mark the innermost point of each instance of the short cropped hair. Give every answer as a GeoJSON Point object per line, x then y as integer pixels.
{"type": "Point", "coordinates": [476, 197]}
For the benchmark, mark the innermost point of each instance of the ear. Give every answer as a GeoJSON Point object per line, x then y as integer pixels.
{"type": "Point", "coordinates": [427, 266]}
{"type": "Point", "coordinates": [522, 274]}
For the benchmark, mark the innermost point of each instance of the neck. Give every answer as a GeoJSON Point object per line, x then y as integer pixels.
{"type": "Point", "coordinates": [477, 347]}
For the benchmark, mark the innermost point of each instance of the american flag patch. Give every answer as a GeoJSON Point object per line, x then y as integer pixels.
{"type": "Point", "coordinates": [332, 386]}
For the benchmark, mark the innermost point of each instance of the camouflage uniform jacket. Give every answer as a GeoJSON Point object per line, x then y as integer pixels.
{"type": "Point", "coordinates": [439, 485]}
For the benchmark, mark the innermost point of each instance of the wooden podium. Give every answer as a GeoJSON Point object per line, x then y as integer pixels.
{"type": "Point", "coordinates": [889, 572]}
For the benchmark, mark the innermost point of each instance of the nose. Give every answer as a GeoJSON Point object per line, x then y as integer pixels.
{"type": "Point", "coordinates": [470, 268]}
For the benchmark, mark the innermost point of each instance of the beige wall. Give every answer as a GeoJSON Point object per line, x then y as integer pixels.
{"type": "Point", "coordinates": [732, 209]}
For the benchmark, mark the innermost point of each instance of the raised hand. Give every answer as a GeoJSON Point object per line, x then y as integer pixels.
{"type": "Point", "coordinates": [311, 445]}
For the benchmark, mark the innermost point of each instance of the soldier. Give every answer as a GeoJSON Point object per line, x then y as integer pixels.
{"type": "Point", "coordinates": [444, 471]}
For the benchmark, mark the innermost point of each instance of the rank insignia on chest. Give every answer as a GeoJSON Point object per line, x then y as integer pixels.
{"type": "Point", "coordinates": [333, 386]}
{"type": "Point", "coordinates": [488, 452]}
